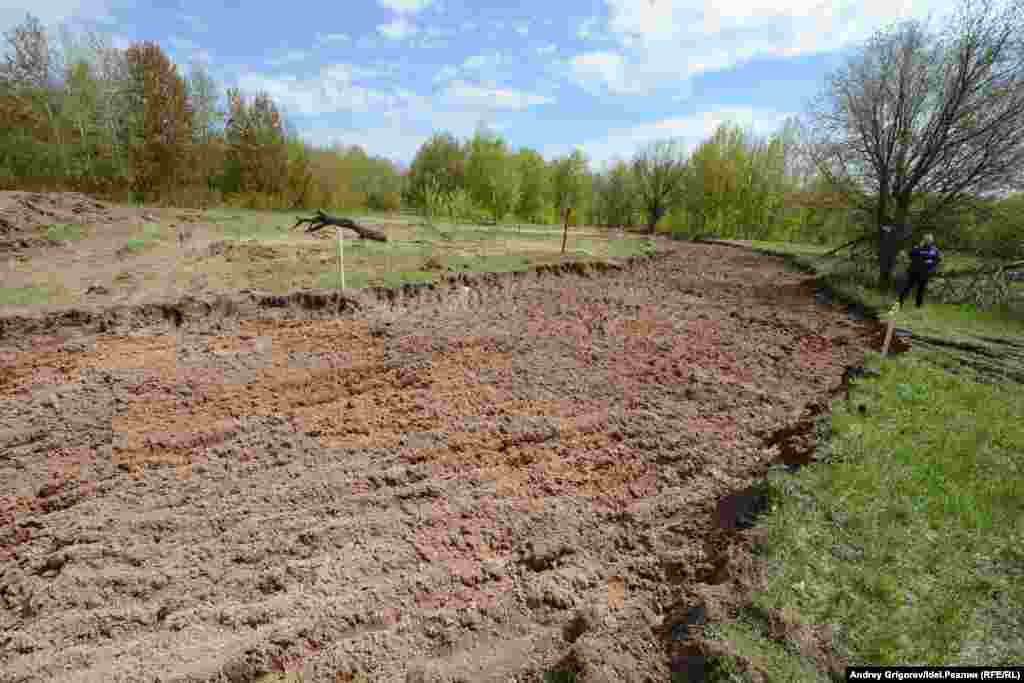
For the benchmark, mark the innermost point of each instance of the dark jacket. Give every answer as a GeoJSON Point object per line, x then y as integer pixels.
{"type": "Point", "coordinates": [924, 260]}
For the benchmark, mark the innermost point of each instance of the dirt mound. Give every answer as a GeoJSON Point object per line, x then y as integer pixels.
{"type": "Point", "coordinates": [484, 488]}
{"type": "Point", "coordinates": [24, 215]}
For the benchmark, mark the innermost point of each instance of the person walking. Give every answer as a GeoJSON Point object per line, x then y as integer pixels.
{"type": "Point", "coordinates": [924, 261]}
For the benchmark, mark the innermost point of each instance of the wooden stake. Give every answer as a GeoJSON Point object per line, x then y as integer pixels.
{"type": "Point", "coordinates": [565, 230]}
{"type": "Point", "coordinates": [889, 328]}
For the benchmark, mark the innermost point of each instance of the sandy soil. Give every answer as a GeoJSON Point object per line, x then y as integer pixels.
{"type": "Point", "coordinates": [474, 485]}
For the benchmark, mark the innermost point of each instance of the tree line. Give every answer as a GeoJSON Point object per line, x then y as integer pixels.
{"type": "Point", "coordinates": [77, 113]}
{"type": "Point", "coordinates": [733, 181]}
{"type": "Point", "coordinates": [922, 129]}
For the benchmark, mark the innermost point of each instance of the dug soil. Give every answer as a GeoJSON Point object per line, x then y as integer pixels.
{"type": "Point", "coordinates": [485, 484]}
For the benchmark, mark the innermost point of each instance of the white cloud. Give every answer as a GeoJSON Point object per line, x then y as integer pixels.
{"type": "Point", "coordinates": [333, 89]}
{"type": "Point", "coordinates": [51, 12]}
{"type": "Point", "coordinates": [290, 57]}
{"type": "Point", "coordinates": [467, 95]}
{"type": "Point", "coordinates": [600, 70]}
{"type": "Point", "coordinates": [326, 38]}
{"type": "Point", "coordinates": [393, 142]}
{"type": "Point", "coordinates": [410, 6]}
{"type": "Point", "coordinates": [399, 28]}
{"type": "Point", "coordinates": [445, 73]}
{"type": "Point", "coordinates": [521, 28]}
{"type": "Point", "coordinates": [667, 41]}
{"type": "Point", "coordinates": [689, 131]}
{"type": "Point", "coordinates": [551, 48]}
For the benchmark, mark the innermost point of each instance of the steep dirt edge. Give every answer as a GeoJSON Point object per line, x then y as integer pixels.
{"type": "Point", "coordinates": [304, 304]}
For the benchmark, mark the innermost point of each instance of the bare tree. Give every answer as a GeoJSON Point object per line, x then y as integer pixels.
{"type": "Point", "coordinates": [922, 122]}
{"type": "Point", "coordinates": [658, 169]}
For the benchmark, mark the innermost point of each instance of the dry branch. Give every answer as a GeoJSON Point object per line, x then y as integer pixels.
{"type": "Point", "coordinates": [321, 220]}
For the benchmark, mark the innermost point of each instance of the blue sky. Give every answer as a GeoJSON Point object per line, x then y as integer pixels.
{"type": "Point", "coordinates": [604, 75]}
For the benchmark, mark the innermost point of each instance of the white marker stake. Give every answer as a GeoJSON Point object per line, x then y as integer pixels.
{"type": "Point", "coordinates": [341, 259]}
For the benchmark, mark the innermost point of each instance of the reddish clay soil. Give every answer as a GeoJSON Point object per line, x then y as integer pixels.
{"type": "Point", "coordinates": [484, 486]}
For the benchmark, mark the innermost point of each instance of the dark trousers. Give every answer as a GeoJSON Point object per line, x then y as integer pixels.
{"type": "Point", "coordinates": [918, 279]}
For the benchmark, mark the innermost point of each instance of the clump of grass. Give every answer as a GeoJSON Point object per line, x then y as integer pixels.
{"type": "Point", "coordinates": [24, 296]}
{"type": "Point", "coordinates": [745, 635]}
{"type": "Point", "coordinates": [64, 232]}
{"type": "Point", "coordinates": [353, 280]}
{"type": "Point", "coordinates": [150, 235]}
{"type": "Point", "coordinates": [407, 277]}
{"type": "Point", "coordinates": [908, 542]}
{"type": "Point", "coordinates": [136, 245]}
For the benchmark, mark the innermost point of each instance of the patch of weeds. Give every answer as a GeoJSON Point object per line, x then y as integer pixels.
{"type": "Point", "coordinates": [560, 677]}
{"type": "Point", "coordinates": [64, 232]}
{"type": "Point", "coordinates": [407, 277]}
{"type": "Point", "coordinates": [353, 280]}
{"type": "Point", "coordinates": [630, 246]}
{"type": "Point", "coordinates": [151, 233]}
{"type": "Point", "coordinates": [23, 296]}
{"type": "Point", "coordinates": [136, 245]}
{"type": "Point", "coordinates": [748, 640]}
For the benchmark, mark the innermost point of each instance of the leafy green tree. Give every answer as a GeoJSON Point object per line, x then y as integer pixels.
{"type": "Point", "coordinates": [440, 158]}
{"type": "Point", "coordinates": [534, 186]}
{"type": "Point", "coordinates": [161, 125]}
{"type": "Point", "coordinates": [569, 187]}
{"type": "Point", "coordinates": [658, 171]}
{"type": "Point", "coordinates": [256, 148]}
{"type": "Point", "coordinates": [615, 201]}
{"type": "Point", "coordinates": [492, 176]}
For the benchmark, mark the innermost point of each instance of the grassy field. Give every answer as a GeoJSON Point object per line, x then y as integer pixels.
{"type": "Point", "coordinates": [169, 252]}
{"type": "Point", "coordinates": [281, 259]}
{"type": "Point", "coordinates": [906, 544]}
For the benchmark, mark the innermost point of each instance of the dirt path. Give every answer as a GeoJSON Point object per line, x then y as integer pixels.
{"type": "Point", "coordinates": [482, 488]}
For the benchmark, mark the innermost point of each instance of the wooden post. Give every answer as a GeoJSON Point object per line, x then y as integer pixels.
{"type": "Point", "coordinates": [889, 328]}
{"type": "Point", "coordinates": [565, 230]}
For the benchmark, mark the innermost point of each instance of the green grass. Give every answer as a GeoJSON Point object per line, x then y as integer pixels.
{"type": "Point", "coordinates": [24, 296]}
{"type": "Point", "coordinates": [909, 541]}
{"type": "Point", "coordinates": [353, 280]}
{"type": "Point", "coordinates": [64, 232]}
{"type": "Point", "coordinates": [151, 234]}
{"type": "Point", "coordinates": [747, 635]}
{"type": "Point", "coordinates": [407, 277]}
{"type": "Point", "coordinates": [249, 224]}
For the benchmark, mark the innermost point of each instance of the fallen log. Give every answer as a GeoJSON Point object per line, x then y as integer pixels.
{"type": "Point", "coordinates": [851, 243]}
{"type": "Point", "coordinates": [321, 220]}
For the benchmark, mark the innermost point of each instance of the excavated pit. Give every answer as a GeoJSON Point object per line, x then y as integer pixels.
{"type": "Point", "coordinates": [486, 480]}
